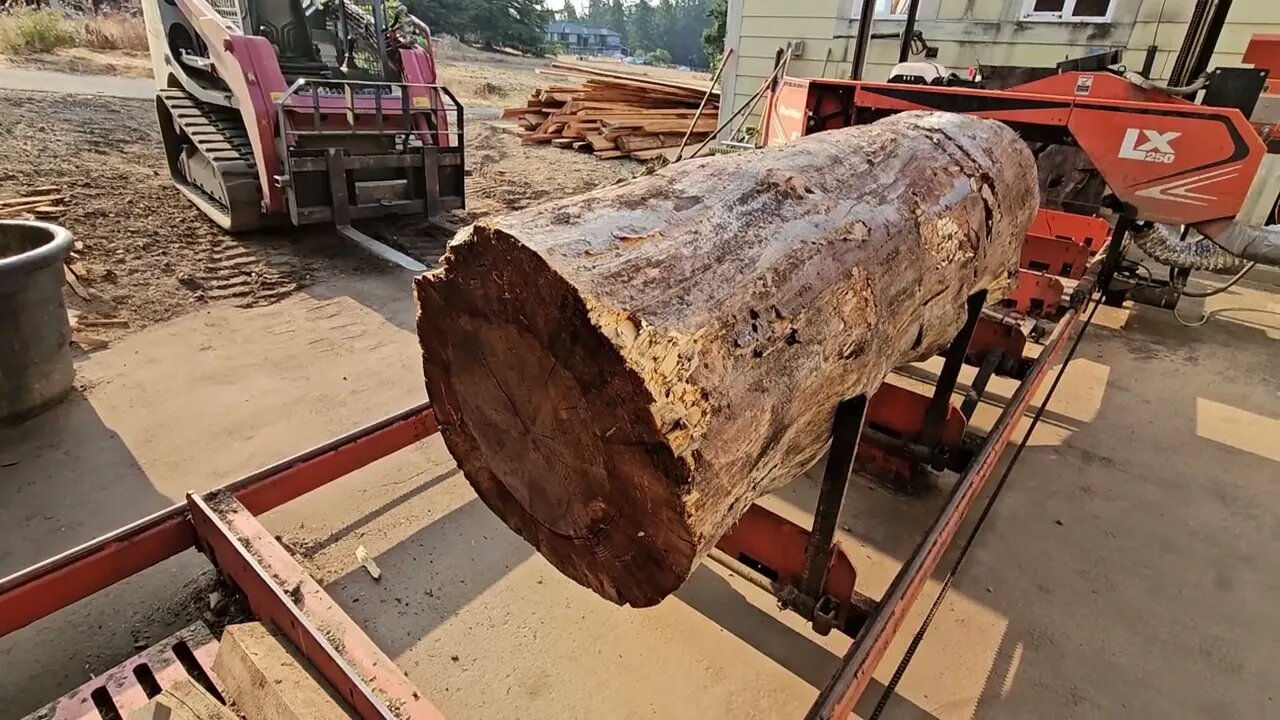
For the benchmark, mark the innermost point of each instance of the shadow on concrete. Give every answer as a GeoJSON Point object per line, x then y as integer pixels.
{"type": "Point", "coordinates": [428, 598]}
{"type": "Point", "coordinates": [67, 478]}
{"type": "Point", "coordinates": [387, 291]}
{"type": "Point", "coordinates": [1103, 548]}
{"type": "Point", "coordinates": [717, 600]}
{"type": "Point", "coordinates": [315, 545]}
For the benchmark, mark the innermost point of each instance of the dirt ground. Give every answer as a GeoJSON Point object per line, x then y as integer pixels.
{"type": "Point", "coordinates": [147, 255]}
{"type": "Point", "coordinates": [479, 78]}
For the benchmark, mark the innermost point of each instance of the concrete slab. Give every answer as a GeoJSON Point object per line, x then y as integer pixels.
{"type": "Point", "coordinates": [1127, 572]}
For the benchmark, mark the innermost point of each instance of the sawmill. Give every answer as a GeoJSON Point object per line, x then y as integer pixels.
{"type": "Point", "coordinates": [624, 377]}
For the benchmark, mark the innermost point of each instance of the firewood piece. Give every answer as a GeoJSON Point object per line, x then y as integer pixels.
{"type": "Point", "coordinates": [74, 281]}
{"type": "Point", "coordinates": [32, 200]}
{"type": "Point", "coordinates": [668, 152]}
{"type": "Point", "coordinates": [619, 375]}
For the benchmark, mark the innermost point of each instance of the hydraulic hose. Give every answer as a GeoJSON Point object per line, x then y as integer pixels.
{"type": "Point", "coordinates": [1146, 84]}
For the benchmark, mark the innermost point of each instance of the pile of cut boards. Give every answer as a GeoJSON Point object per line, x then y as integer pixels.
{"type": "Point", "coordinates": [615, 114]}
{"type": "Point", "coordinates": [42, 203]}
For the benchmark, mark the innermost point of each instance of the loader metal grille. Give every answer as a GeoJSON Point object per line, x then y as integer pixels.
{"type": "Point", "coordinates": [230, 10]}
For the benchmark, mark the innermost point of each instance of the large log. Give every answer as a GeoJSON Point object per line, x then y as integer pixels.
{"type": "Point", "coordinates": [620, 374]}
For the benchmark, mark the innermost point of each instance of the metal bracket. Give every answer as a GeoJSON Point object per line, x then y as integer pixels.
{"type": "Point", "coordinates": [342, 216]}
{"type": "Point", "coordinates": [281, 592]}
{"type": "Point", "coordinates": [845, 434]}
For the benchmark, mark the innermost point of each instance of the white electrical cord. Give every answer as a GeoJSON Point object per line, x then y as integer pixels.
{"type": "Point", "coordinates": [1204, 318]}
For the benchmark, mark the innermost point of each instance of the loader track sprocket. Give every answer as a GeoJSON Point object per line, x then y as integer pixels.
{"type": "Point", "coordinates": [211, 159]}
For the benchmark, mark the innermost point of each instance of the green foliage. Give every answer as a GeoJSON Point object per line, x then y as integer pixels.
{"type": "Point", "coordinates": [517, 24]}
{"type": "Point", "coordinates": [34, 31]}
{"type": "Point", "coordinates": [615, 19]}
{"type": "Point", "coordinates": [642, 29]}
{"type": "Point", "coordinates": [713, 35]}
{"type": "Point", "coordinates": [659, 57]}
{"type": "Point", "coordinates": [596, 11]}
{"type": "Point", "coordinates": [678, 26]}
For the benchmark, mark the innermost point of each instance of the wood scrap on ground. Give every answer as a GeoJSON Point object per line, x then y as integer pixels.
{"type": "Point", "coordinates": [42, 203]}
{"type": "Point", "coordinates": [615, 114]}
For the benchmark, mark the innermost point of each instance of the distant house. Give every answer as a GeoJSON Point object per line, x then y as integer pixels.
{"type": "Point", "coordinates": [582, 40]}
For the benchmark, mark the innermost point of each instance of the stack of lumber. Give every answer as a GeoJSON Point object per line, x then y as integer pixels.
{"type": "Point", "coordinates": [614, 114]}
{"type": "Point", "coordinates": [40, 203]}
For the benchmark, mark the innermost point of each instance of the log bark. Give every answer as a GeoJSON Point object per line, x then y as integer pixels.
{"type": "Point", "coordinates": [619, 375]}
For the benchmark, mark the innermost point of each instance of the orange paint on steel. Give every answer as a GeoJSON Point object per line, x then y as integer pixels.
{"type": "Point", "coordinates": [45, 588]}
{"type": "Point", "coordinates": [850, 681]}
{"type": "Point", "coordinates": [282, 593]}
{"type": "Point", "coordinates": [293, 482]}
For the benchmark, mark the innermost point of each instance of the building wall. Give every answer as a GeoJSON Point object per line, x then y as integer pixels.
{"type": "Point", "coordinates": [965, 31]}
{"type": "Point", "coordinates": [1165, 27]}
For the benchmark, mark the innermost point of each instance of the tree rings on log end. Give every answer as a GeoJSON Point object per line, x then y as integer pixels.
{"type": "Point", "coordinates": [548, 396]}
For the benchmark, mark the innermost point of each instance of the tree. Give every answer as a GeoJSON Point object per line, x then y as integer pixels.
{"type": "Point", "coordinates": [518, 24]}
{"type": "Point", "coordinates": [713, 36]}
{"type": "Point", "coordinates": [666, 25]}
{"type": "Point", "coordinates": [569, 13]}
{"type": "Point", "coordinates": [597, 11]}
{"type": "Point", "coordinates": [616, 20]}
{"type": "Point", "coordinates": [641, 28]}
{"type": "Point", "coordinates": [660, 57]}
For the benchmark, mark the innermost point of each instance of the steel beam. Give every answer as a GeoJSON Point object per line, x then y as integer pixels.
{"type": "Point", "coordinates": [282, 593]}
{"type": "Point", "coordinates": [45, 588]}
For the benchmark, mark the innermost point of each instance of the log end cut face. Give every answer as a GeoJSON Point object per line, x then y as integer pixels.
{"type": "Point", "coordinates": [548, 422]}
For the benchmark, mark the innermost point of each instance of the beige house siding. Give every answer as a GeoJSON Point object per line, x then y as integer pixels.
{"type": "Point", "coordinates": [965, 31]}
{"type": "Point", "coordinates": [1166, 29]}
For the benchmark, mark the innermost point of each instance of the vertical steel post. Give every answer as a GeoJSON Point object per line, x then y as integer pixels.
{"type": "Point", "coordinates": [863, 42]}
{"type": "Point", "coordinates": [846, 430]}
{"type": "Point", "coordinates": [908, 30]}
{"type": "Point", "coordinates": [936, 413]}
{"type": "Point", "coordinates": [1115, 249]}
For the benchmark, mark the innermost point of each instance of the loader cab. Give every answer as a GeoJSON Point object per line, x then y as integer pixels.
{"type": "Point", "coordinates": [324, 40]}
{"type": "Point", "coordinates": [285, 25]}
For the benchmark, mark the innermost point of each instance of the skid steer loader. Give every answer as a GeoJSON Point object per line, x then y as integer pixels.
{"type": "Point", "coordinates": [275, 111]}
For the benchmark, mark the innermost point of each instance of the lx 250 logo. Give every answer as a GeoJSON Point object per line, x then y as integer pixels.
{"type": "Point", "coordinates": [1148, 145]}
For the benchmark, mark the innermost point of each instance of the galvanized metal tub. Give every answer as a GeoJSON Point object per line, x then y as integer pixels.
{"type": "Point", "coordinates": [35, 337]}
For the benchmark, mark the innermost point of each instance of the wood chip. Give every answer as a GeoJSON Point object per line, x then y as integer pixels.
{"type": "Point", "coordinates": [362, 556]}
{"type": "Point", "coordinates": [105, 322]}
{"type": "Point", "coordinates": [88, 342]}
{"type": "Point", "coordinates": [74, 282]}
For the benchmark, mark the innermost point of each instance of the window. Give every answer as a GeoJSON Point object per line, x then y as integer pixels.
{"type": "Point", "coordinates": [885, 9]}
{"type": "Point", "coordinates": [1068, 10]}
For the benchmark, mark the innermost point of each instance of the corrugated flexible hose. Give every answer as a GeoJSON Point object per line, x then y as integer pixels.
{"type": "Point", "coordinates": [1188, 250]}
